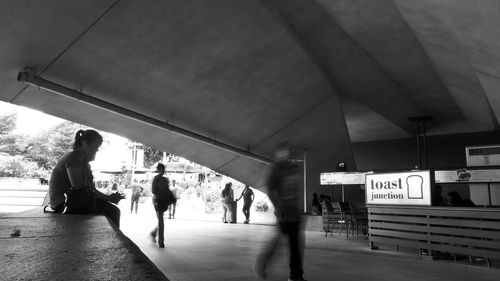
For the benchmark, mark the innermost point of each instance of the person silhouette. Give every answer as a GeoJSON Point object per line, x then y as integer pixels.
{"type": "Point", "coordinates": [162, 197]}
{"type": "Point", "coordinates": [283, 192]}
{"type": "Point", "coordinates": [248, 198]}
{"type": "Point", "coordinates": [73, 171]}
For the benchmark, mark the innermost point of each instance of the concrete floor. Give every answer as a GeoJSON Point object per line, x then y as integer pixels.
{"type": "Point", "coordinates": [208, 249]}
{"type": "Point", "coordinates": [211, 250]}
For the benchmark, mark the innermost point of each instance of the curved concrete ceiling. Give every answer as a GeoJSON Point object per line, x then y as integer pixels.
{"type": "Point", "coordinates": [254, 73]}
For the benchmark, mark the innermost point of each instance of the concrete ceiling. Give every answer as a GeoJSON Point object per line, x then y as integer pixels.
{"type": "Point", "coordinates": [251, 74]}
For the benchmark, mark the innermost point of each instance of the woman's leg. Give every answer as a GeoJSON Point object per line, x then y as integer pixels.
{"type": "Point", "coordinates": [136, 204]}
{"type": "Point", "coordinates": [224, 210]}
{"type": "Point", "coordinates": [109, 209]}
{"type": "Point", "coordinates": [174, 205]}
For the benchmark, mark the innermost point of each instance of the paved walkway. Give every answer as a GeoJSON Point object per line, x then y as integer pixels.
{"type": "Point", "coordinates": [212, 250]}
{"type": "Point", "coordinates": [59, 247]}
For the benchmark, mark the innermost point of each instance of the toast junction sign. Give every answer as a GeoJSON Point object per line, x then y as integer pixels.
{"type": "Point", "coordinates": [406, 188]}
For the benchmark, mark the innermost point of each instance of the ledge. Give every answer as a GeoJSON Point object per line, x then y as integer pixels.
{"type": "Point", "coordinates": [69, 247]}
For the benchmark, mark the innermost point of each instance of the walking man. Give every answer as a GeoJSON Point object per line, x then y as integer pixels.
{"type": "Point", "coordinates": [162, 197]}
{"type": "Point", "coordinates": [283, 192]}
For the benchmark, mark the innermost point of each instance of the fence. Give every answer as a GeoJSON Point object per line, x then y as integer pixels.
{"type": "Point", "coordinates": [17, 195]}
{"type": "Point", "coordinates": [466, 231]}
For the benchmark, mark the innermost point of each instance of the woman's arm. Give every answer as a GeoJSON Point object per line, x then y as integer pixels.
{"type": "Point", "coordinates": [75, 177]}
{"type": "Point", "coordinates": [76, 180]}
{"type": "Point", "coordinates": [99, 194]}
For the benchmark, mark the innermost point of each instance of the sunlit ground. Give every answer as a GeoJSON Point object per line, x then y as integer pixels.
{"type": "Point", "coordinates": [189, 209]}
{"type": "Point", "coordinates": [12, 201]}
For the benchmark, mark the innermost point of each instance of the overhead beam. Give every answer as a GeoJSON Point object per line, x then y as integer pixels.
{"type": "Point", "coordinates": [352, 72]}
{"type": "Point", "coordinates": [30, 78]}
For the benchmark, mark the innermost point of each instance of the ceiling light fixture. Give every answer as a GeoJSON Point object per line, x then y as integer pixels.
{"type": "Point", "coordinates": [28, 76]}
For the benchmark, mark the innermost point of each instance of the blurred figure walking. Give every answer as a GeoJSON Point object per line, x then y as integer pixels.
{"type": "Point", "coordinates": [284, 192]}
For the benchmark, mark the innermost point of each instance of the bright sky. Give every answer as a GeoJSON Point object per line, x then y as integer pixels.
{"type": "Point", "coordinates": [29, 121]}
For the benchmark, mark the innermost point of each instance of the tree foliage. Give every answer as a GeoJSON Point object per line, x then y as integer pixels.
{"type": "Point", "coordinates": [36, 156]}
{"type": "Point", "coordinates": [152, 156]}
{"type": "Point", "coordinates": [42, 150]}
{"type": "Point", "coordinates": [47, 147]}
{"type": "Point", "coordinates": [17, 166]}
{"type": "Point", "coordinates": [10, 143]}
{"type": "Point", "coordinates": [8, 123]}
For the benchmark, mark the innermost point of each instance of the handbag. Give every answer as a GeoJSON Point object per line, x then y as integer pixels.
{"type": "Point", "coordinates": [161, 205]}
{"type": "Point", "coordinates": [80, 201]}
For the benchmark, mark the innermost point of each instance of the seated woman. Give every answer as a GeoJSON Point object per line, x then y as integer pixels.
{"type": "Point", "coordinates": [73, 171]}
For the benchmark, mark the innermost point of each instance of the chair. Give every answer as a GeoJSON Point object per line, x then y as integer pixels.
{"type": "Point", "coordinates": [351, 217]}
{"type": "Point", "coordinates": [361, 218]}
{"type": "Point", "coordinates": [345, 217]}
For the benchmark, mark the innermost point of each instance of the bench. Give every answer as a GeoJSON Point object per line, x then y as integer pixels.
{"type": "Point", "coordinates": [473, 232]}
{"type": "Point", "coordinates": [69, 247]}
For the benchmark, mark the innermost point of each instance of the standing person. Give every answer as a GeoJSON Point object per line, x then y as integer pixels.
{"type": "Point", "coordinates": [172, 207]}
{"type": "Point", "coordinates": [227, 203]}
{"type": "Point", "coordinates": [248, 198]}
{"type": "Point", "coordinates": [73, 171]}
{"type": "Point", "coordinates": [114, 188]}
{"type": "Point", "coordinates": [136, 194]}
{"type": "Point", "coordinates": [161, 199]}
{"type": "Point", "coordinates": [283, 192]}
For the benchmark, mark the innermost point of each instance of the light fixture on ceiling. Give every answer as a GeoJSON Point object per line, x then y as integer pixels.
{"type": "Point", "coordinates": [29, 77]}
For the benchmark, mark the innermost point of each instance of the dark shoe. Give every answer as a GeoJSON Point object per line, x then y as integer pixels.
{"type": "Point", "coordinates": [161, 245]}
{"type": "Point", "coordinates": [296, 279]}
{"type": "Point", "coordinates": [246, 222]}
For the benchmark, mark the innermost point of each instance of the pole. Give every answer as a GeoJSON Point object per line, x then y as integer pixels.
{"type": "Point", "coordinates": [425, 145]}
{"type": "Point", "coordinates": [134, 159]}
{"type": "Point", "coordinates": [305, 181]}
{"type": "Point", "coordinates": [418, 145]}
{"type": "Point", "coordinates": [489, 195]}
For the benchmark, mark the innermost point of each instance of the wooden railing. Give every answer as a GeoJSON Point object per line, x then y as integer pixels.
{"type": "Point", "coordinates": [466, 231]}
{"type": "Point", "coordinates": [20, 198]}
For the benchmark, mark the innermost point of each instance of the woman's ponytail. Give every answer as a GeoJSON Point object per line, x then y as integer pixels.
{"type": "Point", "coordinates": [86, 135]}
{"type": "Point", "coordinates": [78, 140]}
